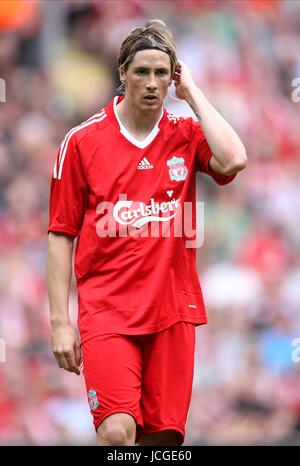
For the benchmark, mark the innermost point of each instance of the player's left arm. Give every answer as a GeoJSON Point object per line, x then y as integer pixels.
{"type": "Point", "coordinates": [229, 154]}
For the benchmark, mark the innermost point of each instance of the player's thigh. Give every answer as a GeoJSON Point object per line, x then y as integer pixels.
{"type": "Point", "coordinates": [112, 367]}
{"type": "Point", "coordinates": [168, 368]}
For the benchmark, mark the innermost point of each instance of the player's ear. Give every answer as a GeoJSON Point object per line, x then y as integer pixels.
{"type": "Point", "coordinates": [176, 73]}
{"type": "Point", "coordinates": [122, 74]}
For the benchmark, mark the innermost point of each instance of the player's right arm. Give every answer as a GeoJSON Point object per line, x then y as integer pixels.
{"type": "Point", "coordinates": [65, 343]}
{"type": "Point", "coordinates": [68, 199]}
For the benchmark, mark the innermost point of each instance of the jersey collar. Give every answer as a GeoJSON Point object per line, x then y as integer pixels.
{"type": "Point", "coordinates": [140, 144]}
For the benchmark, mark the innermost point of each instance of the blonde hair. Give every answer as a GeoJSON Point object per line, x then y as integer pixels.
{"type": "Point", "coordinates": [154, 35]}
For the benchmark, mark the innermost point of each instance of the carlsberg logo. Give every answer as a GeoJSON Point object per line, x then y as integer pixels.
{"type": "Point", "coordinates": [138, 214]}
{"type": "Point", "coordinates": [125, 217]}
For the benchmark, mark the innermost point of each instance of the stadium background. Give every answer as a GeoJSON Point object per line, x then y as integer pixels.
{"type": "Point", "coordinates": [58, 60]}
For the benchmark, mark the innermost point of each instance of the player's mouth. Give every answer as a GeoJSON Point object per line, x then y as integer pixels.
{"type": "Point", "coordinates": [151, 98]}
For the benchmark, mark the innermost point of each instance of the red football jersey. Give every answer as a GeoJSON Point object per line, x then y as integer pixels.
{"type": "Point", "coordinates": [124, 199]}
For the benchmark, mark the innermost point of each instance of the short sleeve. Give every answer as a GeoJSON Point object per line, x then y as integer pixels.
{"type": "Point", "coordinates": [69, 191]}
{"type": "Point", "coordinates": [204, 154]}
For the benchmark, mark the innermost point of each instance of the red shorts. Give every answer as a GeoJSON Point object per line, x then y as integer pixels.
{"type": "Point", "coordinates": [148, 376]}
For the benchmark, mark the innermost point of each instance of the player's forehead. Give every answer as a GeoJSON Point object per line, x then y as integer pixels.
{"type": "Point", "coordinates": [151, 59]}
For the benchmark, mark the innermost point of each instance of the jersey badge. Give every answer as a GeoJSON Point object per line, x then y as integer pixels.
{"type": "Point", "coordinates": [177, 168]}
{"type": "Point", "coordinates": [93, 400]}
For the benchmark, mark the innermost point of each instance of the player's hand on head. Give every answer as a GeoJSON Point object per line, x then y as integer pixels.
{"type": "Point", "coordinates": [66, 347]}
{"type": "Point", "coordinates": [183, 80]}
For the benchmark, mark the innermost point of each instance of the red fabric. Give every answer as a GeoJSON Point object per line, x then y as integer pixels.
{"type": "Point", "coordinates": [149, 377]}
{"type": "Point", "coordinates": [134, 284]}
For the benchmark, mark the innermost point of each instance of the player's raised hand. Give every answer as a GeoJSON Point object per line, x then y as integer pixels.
{"type": "Point", "coordinates": [183, 80]}
{"type": "Point", "coordinates": [66, 347]}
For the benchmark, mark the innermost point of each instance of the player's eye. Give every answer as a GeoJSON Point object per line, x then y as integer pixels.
{"type": "Point", "coordinates": [142, 72]}
{"type": "Point", "coordinates": [161, 72]}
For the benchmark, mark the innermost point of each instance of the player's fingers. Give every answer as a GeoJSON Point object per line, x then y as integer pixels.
{"type": "Point", "coordinates": [69, 359]}
{"type": "Point", "coordinates": [78, 355]}
{"type": "Point", "coordinates": [58, 358]}
{"type": "Point", "coordinates": [176, 77]}
{"type": "Point", "coordinates": [66, 361]}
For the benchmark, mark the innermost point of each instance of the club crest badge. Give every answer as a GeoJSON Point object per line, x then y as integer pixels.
{"type": "Point", "coordinates": [177, 169]}
{"type": "Point", "coordinates": [93, 400]}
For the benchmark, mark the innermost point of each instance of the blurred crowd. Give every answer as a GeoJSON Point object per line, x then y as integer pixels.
{"type": "Point", "coordinates": [58, 60]}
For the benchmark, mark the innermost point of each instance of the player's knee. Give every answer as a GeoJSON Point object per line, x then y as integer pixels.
{"type": "Point", "coordinates": [116, 431]}
{"type": "Point", "coordinates": [115, 435]}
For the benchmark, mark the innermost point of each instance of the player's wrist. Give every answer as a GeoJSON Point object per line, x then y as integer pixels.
{"type": "Point", "coordinates": [59, 321]}
{"type": "Point", "coordinates": [192, 95]}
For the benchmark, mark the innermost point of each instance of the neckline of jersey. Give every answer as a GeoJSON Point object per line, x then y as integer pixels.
{"type": "Point", "coordinates": [140, 144]}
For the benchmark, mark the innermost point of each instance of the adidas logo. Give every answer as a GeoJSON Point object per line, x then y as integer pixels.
{"type": "Point", "coordinates": [144, 164]}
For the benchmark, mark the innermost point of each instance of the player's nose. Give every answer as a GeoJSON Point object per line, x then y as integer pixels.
{"type": "Point", "coordinates": [151, 83]}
